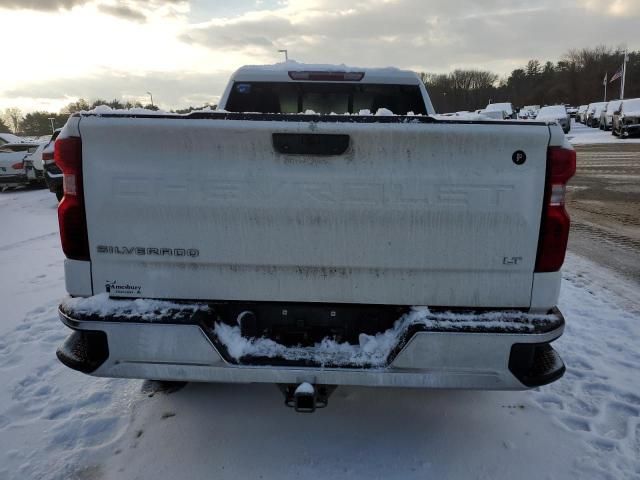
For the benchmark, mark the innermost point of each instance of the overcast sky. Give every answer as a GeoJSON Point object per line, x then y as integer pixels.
{"type": "Point", "coordinates": [56, 51]}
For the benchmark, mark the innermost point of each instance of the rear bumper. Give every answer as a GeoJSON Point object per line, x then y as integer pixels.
{"type": "Point", "coordinates": [53, 180]}
{"type": "Point", "coordinates": [629, 130]}
{"type": "Point", "coordinates": [187, 350]}
{"type": "Point", "coordinates": [14, 179]}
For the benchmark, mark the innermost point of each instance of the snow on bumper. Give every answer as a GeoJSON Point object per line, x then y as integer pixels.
{"type": "Point", "coordinates": [168, 341]}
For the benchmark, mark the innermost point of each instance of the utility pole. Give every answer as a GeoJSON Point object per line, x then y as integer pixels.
{"type": "Point", "coordinates": [53, 128]}
{"type": "Point", "coordinates": [624, 73]}
{"type": "Point", "coordinates": [286, 54]}
{"type": "Point", "coordinates": [605, 86]}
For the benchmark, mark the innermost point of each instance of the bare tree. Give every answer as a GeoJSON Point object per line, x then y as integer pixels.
{"type": "Point", "coordinates": [13, 116]}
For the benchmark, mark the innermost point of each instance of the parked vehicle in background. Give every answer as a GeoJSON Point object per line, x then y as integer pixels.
{"type": "Point", "coordinates": [12, 168]}
{"type": "Point", "coordinates": [557, 113]}
{"type": "Point", "coordinates": [626, 120]}
{"type": "Point", "coordinates": [507, 108]}
{"type": "Point", "coordinates": [52, 173]}
{"type": "Point", "coordinates": [581, 115]}
{"type": "Point", "coordinates": [493, 114]}
{"type": "Point", "coordinates": [606, 117]}
{"type": "Point", "coordinates": [533, 108]}
{"type": "Point", "coordinates": [593, 113]}
{"type": "Point", "coordinates": [9, 138]}
{"type": "Point", "coordinates": [528, 112]}
{"type": "Point", "coordinates": [311, 235]}
{"type": "Point", "coordinates": [34, 165]}
{"type": "Point", "coordinates": [572, 111]}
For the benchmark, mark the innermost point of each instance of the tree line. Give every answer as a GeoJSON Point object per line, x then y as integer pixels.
{"type": "Point", "coordinates": [35, 124]}
{"type": "Point", "coordinates": [575, 79]}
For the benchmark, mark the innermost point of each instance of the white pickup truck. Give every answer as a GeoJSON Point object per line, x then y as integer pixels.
{"type": "Point", "coordinates": [345, 245]}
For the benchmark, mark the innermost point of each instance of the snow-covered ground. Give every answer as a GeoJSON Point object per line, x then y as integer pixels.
{"type": "Point", "coordinates": [580, 134]}
{"type": "Point", "coordinates": [59, 424]}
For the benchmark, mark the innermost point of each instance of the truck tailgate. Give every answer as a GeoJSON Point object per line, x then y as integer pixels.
{"type": "Point", "coordinates": [434, 214]}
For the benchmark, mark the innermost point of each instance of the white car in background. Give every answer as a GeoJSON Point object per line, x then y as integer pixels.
{"type": "Point", "coordinates": [34, 165]}
{"type": "Point", "coordinates": [9, 138]}
{"type": "Point", "coordinates": [12, 168]}
{"type": "Point", "coordinates": [525, 114]}
{"type": "Point", "coordinates": [506, 108]}
{"type": "Point", "coordinates": [592, 117]}
{"type": "Point", "coordinates": [606, 117]}
{"type": "Point", "coordinates": [626, 120]}
{"type": "Point", "coordinates": [556, 113]}
{"type": "Point", "coordinates": [582, 112]}
{"type": "Point", "coordinates": [52, 173]}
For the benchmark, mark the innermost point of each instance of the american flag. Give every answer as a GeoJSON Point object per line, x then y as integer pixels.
{"type": "Point", "coordinates": [616, 75]}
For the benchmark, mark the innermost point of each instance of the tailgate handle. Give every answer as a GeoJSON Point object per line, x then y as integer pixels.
{"type": "Point", "coordinates": [325, 144]}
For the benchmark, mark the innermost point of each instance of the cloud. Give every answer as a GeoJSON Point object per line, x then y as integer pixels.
{"type": "Point", "coordinates": [258, 31]}
{"type": "Point", "coordinates": [123, 11]}
{"type": "Point", "coordinates": [45, 5]}
{"type": "Point", "coordinates": [128, 9]}
{"type": "Point", "coordinates": [613, 7]}
{"type": "Point", "coordinates": [436, 36]}
{"type": "Point", "coordinates": [170, 89]}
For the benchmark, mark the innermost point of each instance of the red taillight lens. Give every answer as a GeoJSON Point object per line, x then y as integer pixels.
{"type": "Point", "coordinates": [561, 163]}
{"type": "Point", "coordinates": [71, 211]}
{"type": "Point", "coordinates": [47, 156]}
{"type": "Point", "coordinates": [18, 166]}
{"type": "Point", "coordinates": [554, 227]}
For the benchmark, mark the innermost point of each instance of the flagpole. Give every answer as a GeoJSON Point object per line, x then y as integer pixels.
{"type": "Point", "coordinates": [624, 73]}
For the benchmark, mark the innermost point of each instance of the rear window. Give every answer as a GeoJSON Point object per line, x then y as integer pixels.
{"type": "Point", "coordinates": [497, 107]}
{"type": "Point", "coordinates": [287, 97]}
{"type": "Point", "coordinates": [613, 106]}
{"type": "Point", "coordinates": [553, 110]}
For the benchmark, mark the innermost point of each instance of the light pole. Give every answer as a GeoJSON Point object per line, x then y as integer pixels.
{"type": "Point", "coordinates": [149, 93]}
{"type": "Point", "coordinates": [286, 54]}
{"type": "Point", "coordinates": [53, 128]}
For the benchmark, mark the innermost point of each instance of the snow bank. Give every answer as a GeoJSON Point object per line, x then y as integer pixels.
{"type": "Point", "coordinates": [374, 350]}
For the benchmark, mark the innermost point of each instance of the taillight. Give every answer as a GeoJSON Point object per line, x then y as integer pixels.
{"type": "Point", "coordinates": [554, 227]}
{"type": "Point", "coordinates": [71, 211]}
{"type": "Point", "coordinates": [47, 156]}
{"type": "Point", "coordinates": [18, 166]}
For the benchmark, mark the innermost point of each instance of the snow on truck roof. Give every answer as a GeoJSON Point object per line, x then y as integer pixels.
{"type": "Point", "coordinates": [295, 71]}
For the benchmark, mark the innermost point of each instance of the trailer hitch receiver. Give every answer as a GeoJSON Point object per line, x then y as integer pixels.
{"type": "Point", "coordinates": [305, 397]}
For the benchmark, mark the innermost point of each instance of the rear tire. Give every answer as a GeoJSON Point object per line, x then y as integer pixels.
{"type": "Point", "coordinates": [59, 195]}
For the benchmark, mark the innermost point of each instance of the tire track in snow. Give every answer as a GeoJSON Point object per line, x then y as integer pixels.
{"type": "Point", "coordinates": [9, 246]}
